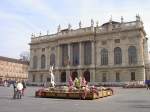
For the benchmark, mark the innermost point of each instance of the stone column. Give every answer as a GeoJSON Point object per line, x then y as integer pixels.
{"type": "Point", "coordinates": [39, 58]}
{"type": "Point", "coordinates": [58, 56]}
{"type": "Point", "coordinates": [140, 51]}
{"type": "Point", "coordinates": [81, 54]}
{"type": "Point", "coordinates": [69, 55]}
{"type": "Point", "coordinates": [47, 55]}
{"type": "Point", "coordinates": [93, 53]}
{"type": "Point", "coordinates": [111, 53]}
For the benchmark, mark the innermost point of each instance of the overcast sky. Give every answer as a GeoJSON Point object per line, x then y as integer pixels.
{"type": "Point", "coordinates": [20, 18]}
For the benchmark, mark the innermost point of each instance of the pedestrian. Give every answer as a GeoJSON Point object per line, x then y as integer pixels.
{"type": "Point", "coordinates": [19, 90]}
{"type": "Point", "coordinates": [24, 87]}
{"type": "Point", "coordinates": [15, 89]}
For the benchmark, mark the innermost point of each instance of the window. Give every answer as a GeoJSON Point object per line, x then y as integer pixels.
{"type": "Point", "coordinates": [33, 78]}
{"type": "Point", "coordinates": [104, 57]}
{"type": "Point", "coordinates": [117, 55]}
{"type": "Point", "coordinates": [48, 79]}
{"type": "Point", "coordinates": [117, 76]}
{"type": "Point", "coordinates": [104, 42]}
{"type": "Point", "coordinates": [132, 76]}
{"type": "Point", "coordinates": [117, 40]}
{"type": "Point", "coordinates": [43, 49]}
{"type": "Point", "coordinates": [87, 76]}
{"type": "Point", "coordinates": [104, 77]}
{"type": "Point", "coordinates": [35, 61]}
{"type": "Point", "coordinates": [41, 78]}
{"type": "Point", "coordinates": [43, 61]}
{"type": "Point", "coordinates": [64, 55]}
{"type": "Point", "coordinates": [52, 59]}
{"type": "Point", "coordinates": [63, 77]}
{"type": "Point", "coordinates": [132, 55]}
{"type": "Point", "coordinates": [75, 49]}
{"type": "Point", "coordinates": [87, 53]}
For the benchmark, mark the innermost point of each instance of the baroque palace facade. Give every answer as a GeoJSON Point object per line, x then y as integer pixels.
{"type": "Point", "coordinates": [13, 69]}
{"type": "Point", "coordinates": [110, 53]}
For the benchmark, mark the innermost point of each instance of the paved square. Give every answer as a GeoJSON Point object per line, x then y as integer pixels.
{"type": "Point", "coordinates": [124, 100]}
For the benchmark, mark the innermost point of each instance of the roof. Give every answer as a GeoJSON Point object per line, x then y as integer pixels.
{"type": "Point", "coordinates": [14, 60]}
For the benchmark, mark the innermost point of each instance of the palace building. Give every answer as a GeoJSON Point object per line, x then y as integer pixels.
{"type": "Point", "coordinates": [13, 69]}
{"type": "Point", "coordinates": [114, 52]}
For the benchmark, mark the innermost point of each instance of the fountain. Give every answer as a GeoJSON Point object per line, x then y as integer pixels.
{"type": "Point", "coordinates": [77, 89]}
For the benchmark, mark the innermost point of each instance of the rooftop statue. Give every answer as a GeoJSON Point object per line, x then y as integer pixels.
{"type": "Point", "coordinates": [80, 24]}
{"type": "Point", "coordinates": [69, 26]}
{"type": "Point", "coordinates": [92, 23]}
{"type": "Point", "coordinates": [59, 27]}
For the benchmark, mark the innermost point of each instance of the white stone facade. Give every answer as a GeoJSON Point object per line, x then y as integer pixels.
{"type": "Point", "coordinates": [110, 35]}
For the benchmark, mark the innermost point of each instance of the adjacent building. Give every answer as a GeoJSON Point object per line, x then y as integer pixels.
{"type": "Point", "coordinates": [13, 69]}
{"type": "Point", "coordinates": [111, 53]}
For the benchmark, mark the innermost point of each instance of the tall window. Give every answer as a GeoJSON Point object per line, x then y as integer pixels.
{"type": "Point", "coordinates": [35, 62]}
{"type": "Point", "coordinates": [132, 76]}
{"type": "Point", "coordinates": [117, 76]}
{"type": "Point", "coordinates": [132, 55]}
{"type": "Point", "coordinates": [87, 76]}
{"type": "Point", "coordinates": [87, 53]}
{"type": "Point", "coordinates": [104, 57]}
{"type": "Point", "coordinates": [64, 55]}
{"type": "Point", "coordinates": [52, 59]}
{"type": "Point", "coordinates": [75, 49]}
{"type": "Point", "coordinates": [117, 55]}
{"type": "Point", "coordinates": [104, 77]}
{"type": "Point", "coordinates": [43, 61]}
{"type": "Point", "coordinates": [33, 78]}
{"type": "Point", "coordinates": [63, 77]}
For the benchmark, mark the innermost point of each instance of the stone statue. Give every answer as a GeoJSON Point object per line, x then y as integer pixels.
{"type": "Point", "coordinates": [92, 23]}
{"type": "Point", "coordinates": [80, 24]}
{"type": "Point", "coordinates": [32, 35]}
{"type": "Point", "coordinates": [69, 26]}
{"type": "Point", "coordinates": [121, 19]}
{"type": "Point", "coordinates": [59, 27]}
{"type": "Point", "coordinates": [40, 34]}
{"type": "Point", "coordinates": [52, 76]}
{"type": "Point", "coordinates": [138, 17]}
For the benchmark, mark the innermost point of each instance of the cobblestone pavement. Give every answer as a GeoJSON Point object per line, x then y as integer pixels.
{"type": "Point", "coordinates": [124, 100]}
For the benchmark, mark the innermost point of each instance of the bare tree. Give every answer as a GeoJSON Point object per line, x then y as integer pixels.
{"type": "Point", "coordinates": [25, 56]}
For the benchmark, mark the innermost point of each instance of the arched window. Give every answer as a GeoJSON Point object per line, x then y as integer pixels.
{"type": "Point", "coordinates": [63, 77]}
{"type": "Point", "coordinates": [74, 75]}
{"type": "Point", "coordinates": [87, 76]}
{"type": "Point", "coordinates": [52, 59]}
{"type": "Point", "coordinates": [35, 61]}
{"type": "Point", "coordinates": [117, 55]}
{"type": "Point", "coordinates": [132, 55]}
{"type": "Point", "coordinates": [43, 61]}
{"type": "Point", "coordinates": [87, 53]}
{"type": "Point", "coordinates": [104, 57]}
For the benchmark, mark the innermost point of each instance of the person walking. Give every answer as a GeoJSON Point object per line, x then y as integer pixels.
{"type": "Point", "coordinates": [19, 90]}
{"type": "Point", "coordinates": [15, 89]}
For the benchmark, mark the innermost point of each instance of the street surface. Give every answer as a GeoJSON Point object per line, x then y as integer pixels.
{"type": "Point", "coordinates": [123, 100]}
